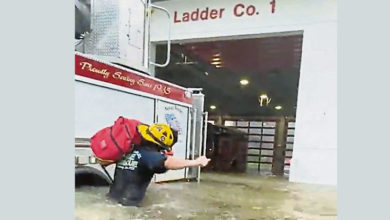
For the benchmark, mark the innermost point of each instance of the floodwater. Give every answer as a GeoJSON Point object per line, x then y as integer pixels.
{"type": "Point", "coordinates": [217, 197]}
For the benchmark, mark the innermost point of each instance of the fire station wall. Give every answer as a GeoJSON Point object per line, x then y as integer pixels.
{"type": "Point", "coordinates": [230, 18]}
{"type": "Point", "coordinates": [315, 147]}
{"type": "Point", "coordinates": [315, 144]}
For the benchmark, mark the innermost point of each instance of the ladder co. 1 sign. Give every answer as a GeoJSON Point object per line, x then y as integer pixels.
{"type": "Point", "coordinates": [239, 10]}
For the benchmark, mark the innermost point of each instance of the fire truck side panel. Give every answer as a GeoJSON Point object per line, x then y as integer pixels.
{"type": "Point", "coordinates": [98, 107]}
{"type": "Point", "coordinates": [177, 117]}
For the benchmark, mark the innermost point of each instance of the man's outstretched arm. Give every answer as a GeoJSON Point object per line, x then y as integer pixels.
{"type": "Point", "coordinates": [175, 163]}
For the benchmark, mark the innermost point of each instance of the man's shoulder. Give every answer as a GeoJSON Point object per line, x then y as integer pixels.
{"type": "Point", "coordinates": [145, 150]}
{"type": "Point", "coordinates": [150, 155]}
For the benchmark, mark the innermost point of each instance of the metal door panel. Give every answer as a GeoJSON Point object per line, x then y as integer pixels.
{"type": "Point", "coordinates": [177, 117]}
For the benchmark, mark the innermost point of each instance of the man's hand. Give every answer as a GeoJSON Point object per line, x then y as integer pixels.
{"type": "Point", "coordinates": [202, 161]}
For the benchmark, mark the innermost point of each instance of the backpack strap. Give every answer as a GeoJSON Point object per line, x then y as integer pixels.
{"type": "Point", "coordinates": [127, 133]}
{"type": "Point", "coordinates": [116, 143]}
{"type": "Point", "coordinates": [126, 127]}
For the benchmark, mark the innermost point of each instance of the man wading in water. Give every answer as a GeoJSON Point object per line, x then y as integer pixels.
{"type": "Point", "coordinates": [134, 172]}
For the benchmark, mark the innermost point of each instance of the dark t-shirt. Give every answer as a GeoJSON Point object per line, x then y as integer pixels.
{"type": "Point", "coordinates": [133, 175]}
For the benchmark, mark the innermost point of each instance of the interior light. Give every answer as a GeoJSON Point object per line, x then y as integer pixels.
{"type": "Point", "coordinates": [218, 66]}
{"type": "Point", "coordinates": [263, 96]}
{"type": "Point", "coordinates": [216, 59]}
{"type": "Point", "coordinates": [244, 82]}
{"type": "Point", "coordinates": [217, 55]}
{"type": "Point", "coordinates": [264, 100]}
{"type": "Point", "coordinates": [213, 107]}
{"type": "Point", "coordinates": [278, 107]}
{"type": "Point", "coordinates": [206, 73]}
{"type": "Point", "coordinates": [216, 62]}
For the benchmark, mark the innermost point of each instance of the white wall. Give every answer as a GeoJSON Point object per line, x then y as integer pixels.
{"type": "Point", "coordinates": [315, 149]}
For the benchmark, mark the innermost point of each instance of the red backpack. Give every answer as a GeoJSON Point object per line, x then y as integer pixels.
{"type": "Point", "coordinates": [111, 143]}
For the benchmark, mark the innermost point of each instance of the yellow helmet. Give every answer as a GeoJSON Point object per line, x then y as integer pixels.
{"type": "Point", "coordinates": [160, 134]}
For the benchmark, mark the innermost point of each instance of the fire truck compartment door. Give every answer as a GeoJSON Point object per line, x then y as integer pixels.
{"type": "Point", "coordinates": [177, 117]}
{"type": "Point", "coordinates": [97, 107]}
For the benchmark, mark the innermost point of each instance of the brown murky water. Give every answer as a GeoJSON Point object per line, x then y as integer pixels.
{"type": "Point", "coordinates": [217, 196]}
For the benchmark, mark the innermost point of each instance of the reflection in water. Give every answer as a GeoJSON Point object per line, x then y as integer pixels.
{"type": "Point", "coordinates": [218, 196]}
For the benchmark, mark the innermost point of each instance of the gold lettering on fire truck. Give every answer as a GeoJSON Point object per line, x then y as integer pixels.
{"type": "Point", "coordinates": [142, 82]}
{"type": "Point", "coordinates": [89, 67]}
{"type": "Point", "coordinates": [165, 89]}
{"type": "Point", "coordinates": [118, 75]}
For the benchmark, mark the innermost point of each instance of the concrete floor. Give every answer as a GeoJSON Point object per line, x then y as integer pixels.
{"type": "Point", "coordinates": [218, 196]}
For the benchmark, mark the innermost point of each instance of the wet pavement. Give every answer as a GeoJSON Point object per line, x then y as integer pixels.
{"type": "Point", "coordinates": [217, 197]}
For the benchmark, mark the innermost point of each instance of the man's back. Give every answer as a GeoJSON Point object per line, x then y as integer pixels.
{"type": "Point", "coordinates": [133, 175]}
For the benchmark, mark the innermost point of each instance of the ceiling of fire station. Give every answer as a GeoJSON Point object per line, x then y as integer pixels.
{"type": "Point", "coordinates": [271, 65]}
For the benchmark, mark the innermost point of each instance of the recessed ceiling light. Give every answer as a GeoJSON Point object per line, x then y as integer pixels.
{"type": "Point", "coordinates": [218, 66]}
{"type": "Point", "coordinates": [217, 55]}
{"type": "Point", "coordinates": [216, 59]}
{"type": "Point", "coordinates": [213, 107]}
{"type": "Point", "coordinates": [278, 107]}
{"type": "Point", "coordinates": [216, 62]}
{"type": "Point", "coordinates": [244, 82]}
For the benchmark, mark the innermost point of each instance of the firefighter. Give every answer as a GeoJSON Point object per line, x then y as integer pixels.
{"type": "Point", "coordinates": [134, 172]}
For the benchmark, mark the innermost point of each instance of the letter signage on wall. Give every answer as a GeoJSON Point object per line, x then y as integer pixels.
{"type": "Point", "coordinates": [207, 13]}
{"type": "Point", "coordinates": [216, 18]}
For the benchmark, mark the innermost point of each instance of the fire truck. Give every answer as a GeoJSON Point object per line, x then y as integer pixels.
{"type": "Point", "coordinates": [113, 78]}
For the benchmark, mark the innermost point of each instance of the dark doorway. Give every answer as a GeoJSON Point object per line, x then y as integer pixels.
{"type": "Point", "coordinates": [270, 65]}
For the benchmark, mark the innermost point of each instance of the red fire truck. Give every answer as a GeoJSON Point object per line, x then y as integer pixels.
{"type": "Point", "coordinates": [112, 79]}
